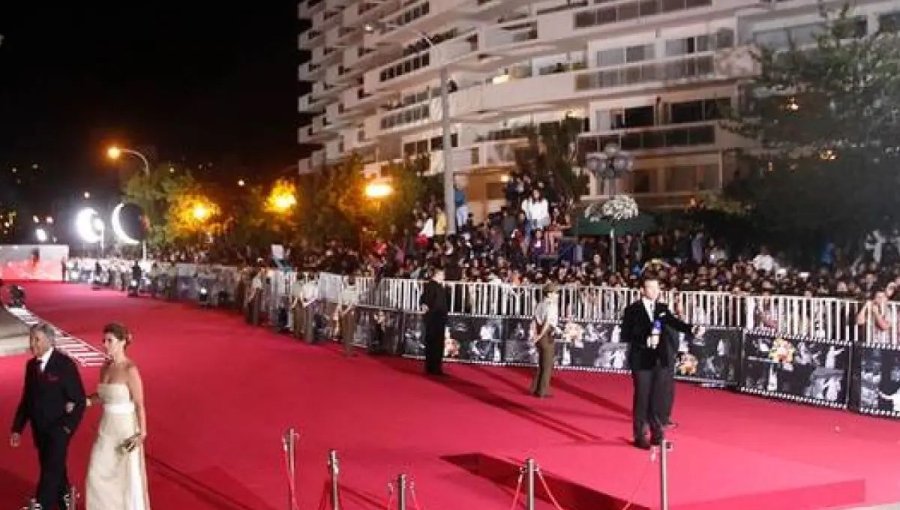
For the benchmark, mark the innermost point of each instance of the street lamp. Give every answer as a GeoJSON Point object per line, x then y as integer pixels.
{"type": "Point", "coordinates": [449, 188]}
{"type": "Point", "coordinates": [377, 190]}
{"type": "Point", "coordinates": [114, 153]}
{"type": "Point", "coordinates": [609, 165]}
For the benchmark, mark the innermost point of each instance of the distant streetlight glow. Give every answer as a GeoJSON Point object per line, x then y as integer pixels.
{"type": "Point", "coordinates": [114, 153]}
{"type": "Point", "coordinates": [200, 212]}
{"type": "Point", "coordinates": [50, 220]}
{"type": "Point", "coordinates": [241, 183]}
{"type": "Point", "coordinates": [282, 197]}
{"type": "Point", "coordinates": [86, 223]}
{"type": "Point", "coordinates": [378, 190]}
{"type": "Point", "coordinates": [87, 195]}
{"type": "Point", "coordinates": [41, 235]}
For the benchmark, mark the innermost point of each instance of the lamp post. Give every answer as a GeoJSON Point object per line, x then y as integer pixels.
{"type": "Point", "coordinates": [114, 153]}
{"type": "Point", "coordinates": [447, 149]}
{"type": "Point", "coordinates": [608, 166]}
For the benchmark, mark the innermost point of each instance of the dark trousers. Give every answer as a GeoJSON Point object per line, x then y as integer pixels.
{"type": "Point", "coordinates": [303, 322]}
{"type": "Point", "coordinates": [546, 357]}
{"type": "Point", "coordinates": [252, 312]}
{"type": "Point", "coordinates": [53, 484]}
{"type": "Point", "coordinates": [665, 412]}
{"type": "Point", "coordinates": [348, 330]}
{"type": "Point", "coordinates": [649, 400]}
{"type": "Point", "coordinates": [435, 326]}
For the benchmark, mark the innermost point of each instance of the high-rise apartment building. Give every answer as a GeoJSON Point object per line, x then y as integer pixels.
{"type": "Point", "coordinates": [652, 76]}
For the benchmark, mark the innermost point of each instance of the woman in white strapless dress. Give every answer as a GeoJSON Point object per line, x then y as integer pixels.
{"type": "Point", "coordinates": [117, 478]}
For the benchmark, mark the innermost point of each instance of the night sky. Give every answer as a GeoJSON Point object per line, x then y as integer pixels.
{"type": "Point", "coordinates": [190, 81]}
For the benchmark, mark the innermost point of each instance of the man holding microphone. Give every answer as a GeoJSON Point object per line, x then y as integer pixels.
{"type": "Point", "coordinates": [646, 326]}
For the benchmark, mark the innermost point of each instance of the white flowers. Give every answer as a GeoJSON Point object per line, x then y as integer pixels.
{"type": "Point", "coordinates": [619, 207]}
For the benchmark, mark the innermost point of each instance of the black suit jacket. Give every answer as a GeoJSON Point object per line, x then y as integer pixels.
{"type": "Point", "coordinates": [434, 296]}
{"type": "Point", "coordinates": [46, 394]}
{"type": "Point", "coordinates": [637, 326]}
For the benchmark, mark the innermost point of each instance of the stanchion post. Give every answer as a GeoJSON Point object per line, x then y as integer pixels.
{"type": "Point", "coordinates": [334, 468]}
{"type": "Point", "coordinates": [290, 447]}
{"type": "Point", "coordinates": [664, 475]}
{"type": "Point", "coordinates": [401, 492]}
{"type": "Point", "coordinates": [530, 468]}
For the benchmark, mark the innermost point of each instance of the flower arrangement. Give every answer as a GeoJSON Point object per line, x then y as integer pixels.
{"type": "Point", "coordinates": [617, 208]}
{"type": "Point", "coordinates": [782, 351]}
{"type": "Point", "coordinates": [687, 364]}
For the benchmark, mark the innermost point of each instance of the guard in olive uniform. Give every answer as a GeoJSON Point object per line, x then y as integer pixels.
{"type": "Point", "coordinates": [546, 321]}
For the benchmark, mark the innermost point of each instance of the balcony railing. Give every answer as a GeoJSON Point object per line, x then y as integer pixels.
{"type": "Point", "coordinates": [649, 138]}
{"type": "Point", "coordinates": [678, 69]}
{"type": "Point", "coordinates": [632, 10]}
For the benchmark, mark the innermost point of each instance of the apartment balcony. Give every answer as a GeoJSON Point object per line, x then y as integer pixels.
{"type": "Point", "coordinates": [485, 10]}
{"type": "Point", "coordinates": [669, 139]}
{"type": "Point", "coordinates": [618, 17]}
{"type": "Point", "coordinates": [309, 8]}
{"type": "Point", "coordinates": [423, 16]}
{"type": "Point", "coordinates": [306, 104]}
{"type": "Point", "coordinates": [367, 11]}
{"type": "Point", "coordinates": [480, 155]}
{"type": "Point", "coordinates": [304, 135]}
{"type": "Point", "coordinates": [337, 5]}
{"type": "Point", "coordinates": [357, 102]}
{"type": "Point", "coordinates": [326, 18]}
{"type": "Point", "coordinates": [310, 39]}
{"type": "Point", "coordinates": [324, 91]}
{"type": "Point", "coordinates": [310, 72]}
{"type": "Point", "coordinates": [305, 166]}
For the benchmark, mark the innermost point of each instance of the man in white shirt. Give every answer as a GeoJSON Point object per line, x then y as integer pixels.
{"type": "Point", "coordinates": [546, 319]}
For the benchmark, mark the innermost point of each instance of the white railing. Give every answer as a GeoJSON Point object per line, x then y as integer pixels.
{"type": "Point", "coordinates": [795, 316]}
{"type": "Point", "coordinates": [791, 316]}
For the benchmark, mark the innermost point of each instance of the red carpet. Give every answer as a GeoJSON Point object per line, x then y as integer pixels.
{"type": "Point", "coordinates": [220, 394]}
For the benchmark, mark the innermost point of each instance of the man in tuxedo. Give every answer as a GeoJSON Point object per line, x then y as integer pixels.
{"type": "Point", "coordinates": [53, 403]}
{"type": "Point", "coordinates": [436, 305]}
{"type": "Point", "coordinates": [647, 326]}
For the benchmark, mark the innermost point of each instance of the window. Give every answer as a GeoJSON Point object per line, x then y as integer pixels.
{"type": "Point", "coordinates": [639, 117]}
{"type": "Point", "coordinates": [640, 181]}
{"type": "Point", "coordinates": [691, 111]}
{"type": "Point", "coordinates": [889, 22]}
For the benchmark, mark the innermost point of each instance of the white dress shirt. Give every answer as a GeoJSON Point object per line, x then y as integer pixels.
{"type": "Point", "coordinates": [42, 361]}
{"type": "Point", "coordinates": [650, 307]}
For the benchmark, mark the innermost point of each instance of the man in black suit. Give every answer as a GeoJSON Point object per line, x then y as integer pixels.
{"type": "Point", "coordinates": [436, 305]}
{"type": "Point", "coordinates": [647, 327]}
{"type": "Point", "coordinates": [53, 403]}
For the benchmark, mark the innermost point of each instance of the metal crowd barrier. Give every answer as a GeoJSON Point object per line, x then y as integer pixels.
{"type": "Point", "coordinates": [795, 316]}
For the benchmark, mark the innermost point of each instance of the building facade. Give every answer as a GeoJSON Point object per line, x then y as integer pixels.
{"type": "Point", "coordinates": [652, 76]}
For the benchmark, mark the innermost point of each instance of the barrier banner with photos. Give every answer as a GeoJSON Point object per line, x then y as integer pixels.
{"type": "Point", "coordinates": [413, 335]}
{"type": "Point", "coordinates": [812, 371]}
{"type": "Point", "coordinates": [711, 358]}
{"type": "Point", "coordinates": [378, 330]}
{"type": "Point", "coordinates": [877, 377]}
{"type": "Point", "coordinates": [579, 344]}
{"type": "Point", "coordinates": [474, 339]}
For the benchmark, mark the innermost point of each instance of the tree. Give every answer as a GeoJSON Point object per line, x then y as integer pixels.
{"type": "Point", "coordinates": [552, 151]}
{"type": "Point", "coordinates": [154, 193]}
{"type": "Point", "coordinates": [827, 119]}
{"type": "Point", "coordinates": [192, 216]}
